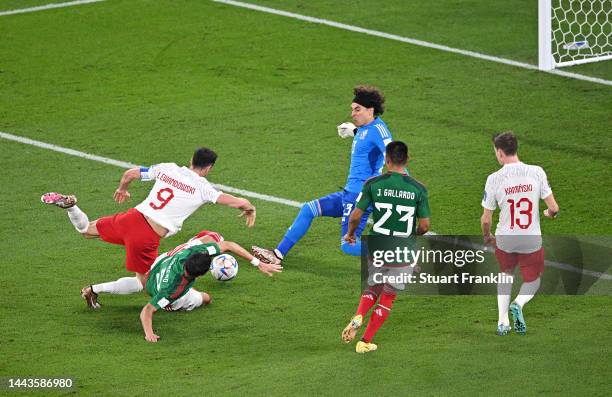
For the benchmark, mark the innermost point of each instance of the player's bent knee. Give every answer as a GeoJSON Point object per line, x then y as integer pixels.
{"type": "Point", "coordinates": [206, 298]}
{"type": "Point", "coordinates": [142, 278]}
{"type": "Point", "coordinates": [310, 209]}
{"type": "Point", "coordinates": [529, 277]}
{"type": "Point", "coordinates": [353, 250]}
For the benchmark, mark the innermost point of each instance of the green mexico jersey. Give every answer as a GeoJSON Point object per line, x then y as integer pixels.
{"type": "Point", "coordinates": [167, 281]}
{"type": "Point", "coordinates": [397, 201]}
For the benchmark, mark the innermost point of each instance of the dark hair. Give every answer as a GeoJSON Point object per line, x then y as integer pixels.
{"type": "Point", "coordinates": [507, 142]}
{"type": "Point", "coordinates": [397, 153]}
{"type": "Point", "coordinates": [369, 97]}
{"type": "Point", "coordinates": [203, 157]}
{"type": "Point", "coordinates": [197, 264]}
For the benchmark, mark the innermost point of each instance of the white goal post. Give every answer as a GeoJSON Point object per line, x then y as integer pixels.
{"type": "Point", "coordinates": [572, 32]}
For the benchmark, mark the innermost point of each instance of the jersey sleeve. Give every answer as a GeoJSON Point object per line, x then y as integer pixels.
{"type": "Point", "coordinates": [423, 210]}
{"type": "Point", "coordinates": [488, 198]}
{"type": "Point", "coordinates": [161, 299]}
{"type": "Point", "coordinates": [545, 189]}
{"type": "Point", "coordinates": [365, 198]}
{"type": "Point", "coordinates": [211, 249]}
{"type": "Point", "coordinates": [209, 193]}
{"type": "Point", "coordinates": [383, 137]}
{"type": "Point", "coordinates": [149, 173]}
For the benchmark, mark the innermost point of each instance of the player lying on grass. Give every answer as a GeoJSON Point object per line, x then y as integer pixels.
{"type": "Point", "coordinates": [394, 215]}
{"type": "Point", "coordinates": [170, 279]}
{"type": "Point", "coordinates": [177, 193]}
{"type": "Point", "coordinates": [516, 189]}
{"type": "Point", "coordinates": [370, 135]}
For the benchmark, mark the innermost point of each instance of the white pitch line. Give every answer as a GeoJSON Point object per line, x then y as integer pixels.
{"type": "Point", "coordinates": [48, 7]}
{"type": "Point", "coordinates": [408, 40]}
{"type": "Point", "coordinates": [124, 164]}
{"type": "Point", "coordinates": [352, 28]}
{"type": "Point", "coordinates": [259, 196]}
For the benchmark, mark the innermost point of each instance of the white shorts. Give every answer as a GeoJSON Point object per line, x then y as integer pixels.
{"type": "Point", "coordinates": [191, 300]}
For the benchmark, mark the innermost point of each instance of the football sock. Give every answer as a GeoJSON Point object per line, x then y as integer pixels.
{"type": "Point", "coordinates": [354, 250]}
{"type": "Point", "coordinates": [527, 292]}
{"type": "Point", "coordinates": [123, 286]}
{"type": "Point", "coordinates": [503, 301]}
{"type": "Point", "coordinates": [379, 316]}
{"type": "Point", "coordinates": [78, 218]}
{"type": "Point", "coordinates": [367, 300]}
{"type": "Point", "coordinates": [300, 226]}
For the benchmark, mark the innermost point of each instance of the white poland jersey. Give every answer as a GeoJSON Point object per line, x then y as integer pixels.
{"type": "Point", "coordinates": [178, 192]}
{"type": "Point", "coordinates": [517, 189]}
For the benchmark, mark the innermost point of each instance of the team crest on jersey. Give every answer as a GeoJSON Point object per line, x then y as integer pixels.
{"type": "Point", "coordinates": [363, 134]}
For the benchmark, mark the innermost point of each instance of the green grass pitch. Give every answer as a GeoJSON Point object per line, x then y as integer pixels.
{"type": "Point", "coordinates": [145, 82]}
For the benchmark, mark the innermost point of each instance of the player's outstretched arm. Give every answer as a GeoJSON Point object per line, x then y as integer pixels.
{"type": "Point", "coordinates": [354, 221]}
{"type": "Point", "coordinates": [264, 267]}
{"type": "Point", "coordinates": [121, 194]}
{"type": "Point", "coordinates": [236, 249]}
{"type": "Point", "coordinates": [248, 209]}
{"type": "Point", "coordinates": [553, 208]}
{"type": "Point", "coordinates": [146, 319]}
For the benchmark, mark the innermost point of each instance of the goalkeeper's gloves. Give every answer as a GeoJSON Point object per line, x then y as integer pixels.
{"type": "Point", "coordinates": [346, 130]}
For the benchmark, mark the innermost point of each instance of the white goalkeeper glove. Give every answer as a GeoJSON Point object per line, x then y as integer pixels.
{"type": "Point", "coordinates": [346, 130]}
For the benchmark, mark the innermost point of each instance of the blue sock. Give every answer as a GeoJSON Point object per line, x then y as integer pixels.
{"type": "Point", "coordinates": [285, 245]}
{"type": "Point", "coordinates": [300, 226]}
{"type": "Point", "coordinates": [354, 250]}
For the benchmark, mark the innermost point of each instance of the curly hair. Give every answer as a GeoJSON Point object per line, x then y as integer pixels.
{"type": "Point", "coordinates": [370, 97]}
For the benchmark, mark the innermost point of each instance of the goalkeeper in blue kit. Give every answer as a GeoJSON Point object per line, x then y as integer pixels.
{"type": "Point", "coordinates": [370, 136]}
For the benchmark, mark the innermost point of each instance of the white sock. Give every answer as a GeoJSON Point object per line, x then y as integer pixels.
{"type": "Point", "coordinates": [527, 291]}
{"type": "Point", "coordinates": [503, 301]}
{"type": "Point", "coordinates": [78, 218]}
{"type": "Point", "coordinates": [123, 286]}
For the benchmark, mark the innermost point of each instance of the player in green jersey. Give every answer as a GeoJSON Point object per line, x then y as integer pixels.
{"type": "Point", "coordinates": [169, 281]}
{"type": "Point", "coordinates": [397, 200]}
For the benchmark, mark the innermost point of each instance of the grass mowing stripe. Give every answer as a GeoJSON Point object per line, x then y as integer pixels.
{"type": "Point", "coordinates": [409, 40]}
{"type": "Point", "coordinates": [260, 196]}
{"type": "Point", "coordinates": [48, 7]}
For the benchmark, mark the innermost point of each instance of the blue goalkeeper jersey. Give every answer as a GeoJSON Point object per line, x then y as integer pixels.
{"type": "Point", "coordinates": [368, 154]}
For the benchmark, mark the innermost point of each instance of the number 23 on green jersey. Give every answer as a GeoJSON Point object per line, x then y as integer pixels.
{"type": "Point", "coordinates": [397, 200]}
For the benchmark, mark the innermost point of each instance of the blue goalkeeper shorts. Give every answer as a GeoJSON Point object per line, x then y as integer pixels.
{"type": "Point", "coordinates": [341, 204]}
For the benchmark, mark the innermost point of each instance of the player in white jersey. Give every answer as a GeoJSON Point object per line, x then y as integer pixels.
{"type": "Point", "coordinates": [177, 193]}
{"type": "Point", "coordinates": [516, 189]}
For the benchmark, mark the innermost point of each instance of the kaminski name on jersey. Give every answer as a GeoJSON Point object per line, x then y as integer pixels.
{"type": "Point", "coordinates": [517, 189]}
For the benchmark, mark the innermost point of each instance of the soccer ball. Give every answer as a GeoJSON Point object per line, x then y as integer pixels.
{"type": "Point", "coordinates": [224, 267]}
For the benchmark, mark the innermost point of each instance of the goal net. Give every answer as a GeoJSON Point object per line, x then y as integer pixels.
{"type": "Point", "coordinates": [573, 32]}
